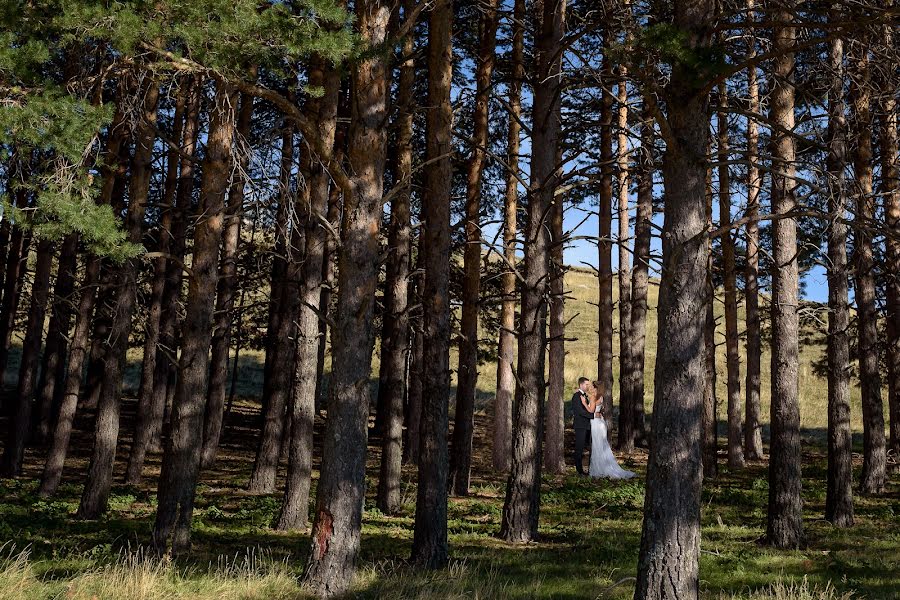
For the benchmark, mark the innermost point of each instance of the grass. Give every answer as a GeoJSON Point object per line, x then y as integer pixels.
{"type": "Point", "coordinates": [590, 531]}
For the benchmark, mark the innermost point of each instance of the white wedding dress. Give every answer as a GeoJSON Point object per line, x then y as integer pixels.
{"type": "Point", "coordinates": [603, 462]}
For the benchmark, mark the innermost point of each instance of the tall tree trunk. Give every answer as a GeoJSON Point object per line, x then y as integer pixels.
{"type": "Point", "coordinates": [670, 540]}
{"type": "Point", "coordinates": [20, 424]}
{"type": "Point", "coordinates": [166, 370]}
{"type": "Point", "coordinates": [53, 363]}
{"type": "Point", "coordinates": [626, 342]}
{"type": "Point", "coordinates": [554, 423]}
{"type": "Point", "coordinates": [890, 189]}
{"type": "Point", "coordinates": [413, 413]}
{"type": "Point", "coordinates": [467, 371]}
{"type": "Point", "coordinates": [785, 517]}
{"type": "Point", "coordinates": [226, 291]}
{"type": "Point", "coordinates": [732, 341]}
{"type": "Point", "coordinates": [839, 493]}
{"type": "Point", "coordinates": [295, 508]}
{"type": "Point", "coordinates": [503, 403]}
{"type": "Point", "coordinates": [521, 507]}
{"type": "Point", "coordinates": [145, 415]}
{"type": "Point", "coordinates": [753, 448]}
{"type": "Point", "coordinates": [181, 460]}
{"type": "Point", "coordinates": [710, 424]}
{"type": "Point", "coordinates": [640, 275]}
{"type": "Point", "coordinates": [429, 547]}
{"type": "Point", "coordinates": [16, 265]}
{"type": "Point", "coordinates": [340, 493]}
{"type": "Point", "coordinates": [280, 347]}
{"type": "Point", "coordinates": [395, 333]}
{"type": "Point", "coordinates": [99, 477]}
{"type": "Point", "coordinates": [115, 158]}
{"type": "Point", "coordinates": [874, 445]}
{"type": "Point", "coordinates": [604, 246]}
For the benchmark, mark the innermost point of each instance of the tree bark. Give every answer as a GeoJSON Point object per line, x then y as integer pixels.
{"type": "Point", "coordinates": [281, 340]}
{"type": "Point", "coordinates": [295, 508]}
{"type": "Point", "coordinates": [710, 424]}
{"type": "Point", "coordinates": [503, 403]}
{"type": "Point", "coordinates": [429, 547]}
{"type": "Point", "coordinates": [340, 494]}
{"type": "Point", "coordinates": [16, 265]}
{"type": "Point", "coordinates": [839, 491]}
{"type": "Point", "coordinates": [732, 341]}
{"type": "Point", "coordinates": [467, 369]}
{"type": "Point", "coordinates": [785, 518]}
{"type": "Point", "coordinates": [753, 447]}
{"type": "Point", "coordinates": [166, 370]}
{"type": "Point", "coordinates": [99, 477]}
{"type": "Point", "coordinates": [670, 540]}
{"type": "Point", "coordinates": [145, 410]}
{"type": "Point", "coordinates": [890, 189]}
{"type": "Point", "coordinates": [78, 349]}
{"type": "Point", "coordinates": [554, 423]}
{"type": "Point", "coordinates": [604, 246]}
{"type": "Point", "coordinates": [640, 275]}
{"type": "Point", "coordinates": [115, 158]}
{"type": "Point", "coordinates": [874, 444]}
{"type": "Point", "coordinates": [20, 424]}
{"type": "Point", "coordinates": [626, 342]}
{"type": "Point", "coordinates": [181, 460]}
{"type": "Point", "coordinates": [395, 333]}
{"type": "Point", "coordinates": [521, 507]}
{"type": "Point", "coordinates": [226, 291]}
{"type": "Point", "coordinates": [53, 363]}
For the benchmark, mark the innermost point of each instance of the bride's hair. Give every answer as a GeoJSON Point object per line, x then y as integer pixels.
{"type": "Point", "coordinates": [599, 391]}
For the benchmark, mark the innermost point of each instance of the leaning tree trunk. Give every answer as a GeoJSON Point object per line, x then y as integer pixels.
{"type": "Point", "coordinates": [467, 371]}
{"type": "Point", "coordinates": [226, 291]}
{"type": "Point", "coordinates": [521, 507]}
{"type": "Point", "coordinates": [429, 547]}
{"type": "Point", "coordinates": [732, 341]}
{"type": "Point", "coordinates": [890, 189]}
{"type": "Point", "coordinates": [395, 333]}
{"type": "Point", "coordinates": [640, 275]}
{"type": "Point", "coordinates": [181, 461]}
{"type": "Point", "coordinates": [670, 540]}
{"type": "Point", "coordinates": [785, 516]}
{"type": "Point", "coordinates": [78, 349]}
{"type": "Point", "coordinates": [340, 494]}
{"type": "Point", "coordinates": [503, 403]}
{"type": "Point", "coordinates": [753, 448]}
{"type": "Point", "coordinates": [115, 158]}
{"type": "Point", "coordinates": [874, 445]}
{"type": "Point", "coordinates": [20, 424]}
{"type": "Point", "coordinates": [626, 342]}
{"type": "Point", "coordinates": [295, 507]}
{"type": "Point", "coordinates": [99, 477]}
{"type": "Point", "coordinates": [839, 491]}
{"type": "Point", "coordinates": [140, 440]}
{"type": "Point", "coordinates": [280, 347]}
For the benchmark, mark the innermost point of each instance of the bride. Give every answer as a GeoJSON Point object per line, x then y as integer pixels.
{"type": "Point", "coordinates": [603, 462]}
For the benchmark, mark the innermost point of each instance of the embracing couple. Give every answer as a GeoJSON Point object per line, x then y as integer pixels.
{"type": "Point", "coordinates": [590, 419]}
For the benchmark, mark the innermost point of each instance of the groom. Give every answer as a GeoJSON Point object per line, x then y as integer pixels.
{"type": "Point", "coordinates": [582, 422]}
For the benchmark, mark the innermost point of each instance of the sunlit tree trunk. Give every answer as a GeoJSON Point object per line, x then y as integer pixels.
{"type": "Point", "coordinates": [785, 518]}
{"type": "Point", "coordinates": [503, 402]}
{"type": "Point", "coordinates": [521, 508]}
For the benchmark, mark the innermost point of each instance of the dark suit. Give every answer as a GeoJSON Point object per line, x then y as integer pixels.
{"type": "Point", "coordinates": [582, 418]}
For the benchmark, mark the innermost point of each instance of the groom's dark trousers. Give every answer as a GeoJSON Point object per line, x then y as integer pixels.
{"type": "Point", "coordinates": [582, 428]}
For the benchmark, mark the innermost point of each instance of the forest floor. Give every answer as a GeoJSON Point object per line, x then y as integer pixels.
{"type": "Point", "coordinates": [588, 548]}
